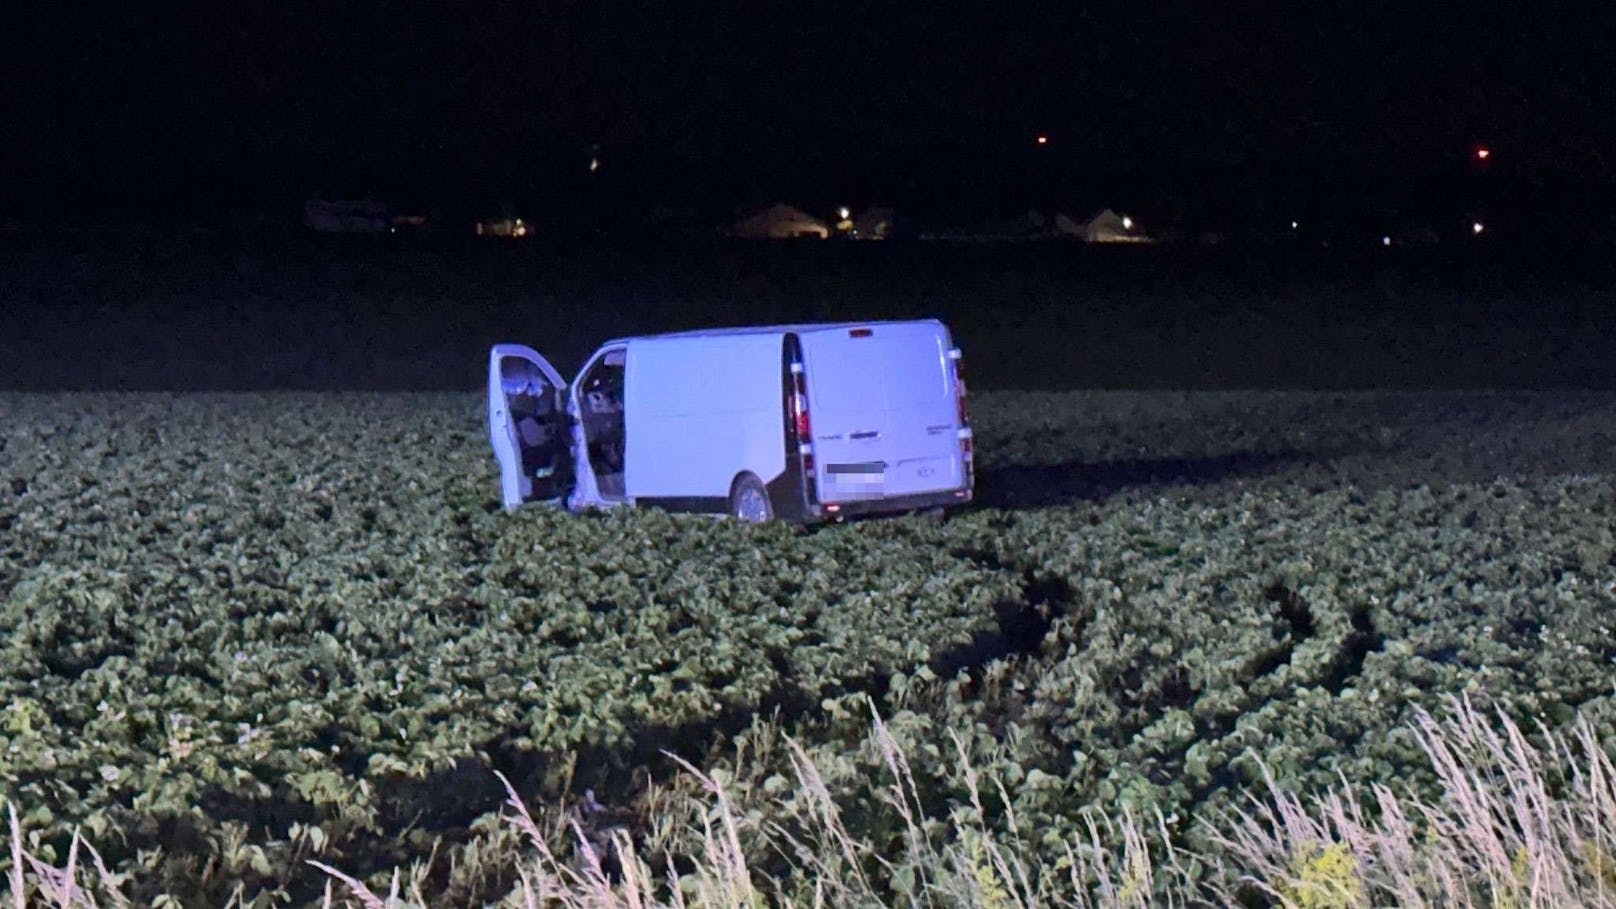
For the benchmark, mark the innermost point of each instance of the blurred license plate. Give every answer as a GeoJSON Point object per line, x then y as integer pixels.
{"type": "Point", "coordinates": [864, 480]}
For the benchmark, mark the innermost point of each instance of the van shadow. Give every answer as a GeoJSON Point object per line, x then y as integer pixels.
{"type": "Point", "coordinates": [1076, 482]}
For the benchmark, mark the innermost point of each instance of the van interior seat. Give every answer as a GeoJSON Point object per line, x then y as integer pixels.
{"type": "Point", "coordinates": [533, 415]}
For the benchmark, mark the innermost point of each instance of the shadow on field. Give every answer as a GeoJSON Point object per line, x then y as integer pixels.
{"type": "Point", "coordinates": [1074, 482]}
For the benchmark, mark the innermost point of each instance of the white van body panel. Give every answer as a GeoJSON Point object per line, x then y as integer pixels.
{"type": "Point", "coordinates": [885, 418]}
{"type": "Point", "coordinates": [703, 409]}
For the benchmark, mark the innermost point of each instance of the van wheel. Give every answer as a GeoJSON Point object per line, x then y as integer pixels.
{"type": "Point", "coordinates": [748, 500]}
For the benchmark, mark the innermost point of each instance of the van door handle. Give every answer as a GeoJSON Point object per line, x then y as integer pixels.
{"type": "Point", "coordinates": [866, 434]}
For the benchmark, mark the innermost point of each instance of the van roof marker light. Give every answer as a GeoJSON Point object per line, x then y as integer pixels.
{"type": "Point", "coordinates": [859, 333]}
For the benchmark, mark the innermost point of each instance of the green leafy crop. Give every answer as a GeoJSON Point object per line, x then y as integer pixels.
{"type": "Point", "coordinates": [231, 621]}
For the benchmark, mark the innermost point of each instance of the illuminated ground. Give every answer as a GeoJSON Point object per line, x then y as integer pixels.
{"type": "Point", "coordinates": [234, 608]}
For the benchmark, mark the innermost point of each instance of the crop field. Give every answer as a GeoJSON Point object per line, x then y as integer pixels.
{"type": "Point", "coordinates": [244, 630]}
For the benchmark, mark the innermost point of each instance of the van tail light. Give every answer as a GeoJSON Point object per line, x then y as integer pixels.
{"type": "Point", "coordinates": [802, 427]}
{"type": "Point", "coordinates": [799, 403]}
{"type": "Point", "coordinates": [962, 415]}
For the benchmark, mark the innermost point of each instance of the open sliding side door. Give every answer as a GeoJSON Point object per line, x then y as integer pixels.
{"type": "Point", "coordinates": [528, 426]}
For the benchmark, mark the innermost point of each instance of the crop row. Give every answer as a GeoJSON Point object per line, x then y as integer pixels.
{"type": "Point", "coordinates": [229, 618]}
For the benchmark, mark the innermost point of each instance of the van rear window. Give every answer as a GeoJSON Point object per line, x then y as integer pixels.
{"type": "Point", "coordinates": [887, 371]}
{"type": "Point", "coordinates": [844, 378]}
{"type": "Point", "coordinates": [916, 370]}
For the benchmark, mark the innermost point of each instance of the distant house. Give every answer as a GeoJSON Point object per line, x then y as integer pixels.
{"type": "Point", "coordinates": [777, 222]}
{"type": "Point", "coordinates": [351, 216]}
{"type": "Point", "coordinates": [1105, 226]}
{"type": "Point", "coordinates": [874, 224]}
{"type": "Point", "coordinates": [502, 227]}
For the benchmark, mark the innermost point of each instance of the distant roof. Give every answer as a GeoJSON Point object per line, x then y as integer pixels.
{"type": "Point", "coordinates": [770, 219]}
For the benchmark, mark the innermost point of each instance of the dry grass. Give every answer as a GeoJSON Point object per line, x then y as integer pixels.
{"type": "Point", "coordinates": [1519, 825]}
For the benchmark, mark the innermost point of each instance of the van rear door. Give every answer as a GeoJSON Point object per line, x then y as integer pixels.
{"type": "Point", "coordinates": [923, 449]}
{"type": "Point", "coordinates": [528, 426]}
{"type": "Point", "coordinates": [884, 411]}
{"type": "Point", "coordinates": [847, 403]}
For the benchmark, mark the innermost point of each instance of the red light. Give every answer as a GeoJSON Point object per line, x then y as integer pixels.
{"type": "Point", "coordinates": [1483, 153]}
{"type": "Point", "coordinates": [859, 333]}
{"type": "Point", "coordinates": [801, 432]}
{"type": "Point", "coordinates": [799, 405]}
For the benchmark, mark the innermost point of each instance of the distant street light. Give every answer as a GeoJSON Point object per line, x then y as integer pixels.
{"type": "Point", "coordinates": [1294, 225]}
{"type": "Point", "coordinates": [1127, 223]}
{"type": "Point", "coordinates": [594, 164]}
{"type": "Point", "coordinates": [844, 212]}
{"type": "Point", "coordinates": [1385, 241]}
{"type": "Point", "coordinates": [1476, 227]}
{"type": "Point", "coordinates": [1043, 140]}
{"type": "Point", "coordinates": [1483, 153]}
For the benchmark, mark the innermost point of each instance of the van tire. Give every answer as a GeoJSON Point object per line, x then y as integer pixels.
{"type": "Point", "coordinates": [749, 500]}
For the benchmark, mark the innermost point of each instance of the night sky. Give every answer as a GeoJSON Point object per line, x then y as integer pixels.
{"type": "Point", "coordinates": [258, 104]}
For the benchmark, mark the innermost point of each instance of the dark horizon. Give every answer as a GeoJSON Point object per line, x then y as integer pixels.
{"type": "Point", "coordinates": [264, 105]}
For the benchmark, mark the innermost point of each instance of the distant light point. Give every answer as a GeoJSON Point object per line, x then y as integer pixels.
{"type": "Point", "coordinates": [1483, 153]}
{"type": "Point", "coordinates": [1385, 241]}
{"type": "Point", "coordinates": [1476, 227]}
{"type": "Point", "coordinates": [1127, 223]}
{"type": "Point", "coordinates": [594, 164]}
{"type": "Point", "coordinates": [1043, 140]}
{"type": "Point", "coordinates": [1294, 225]}
{"type": "Point", "coordinates": [844, 212]}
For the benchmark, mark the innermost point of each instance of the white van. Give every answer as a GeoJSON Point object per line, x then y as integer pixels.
{"type": "Point", "coordinates": [796, 422]}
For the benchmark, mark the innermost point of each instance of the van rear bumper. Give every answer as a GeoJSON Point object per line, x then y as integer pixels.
{"type": "Point", "coordinates": [890, 504]}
